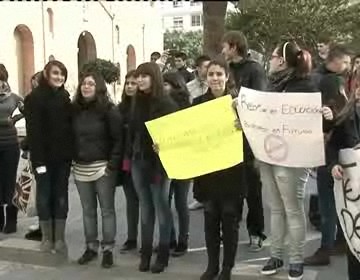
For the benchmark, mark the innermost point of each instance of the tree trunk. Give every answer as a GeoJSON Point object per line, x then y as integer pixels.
{"type": "Point", "coordinates": [214, 26]}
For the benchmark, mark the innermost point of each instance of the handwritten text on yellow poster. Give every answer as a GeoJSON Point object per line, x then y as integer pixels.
{"type": "Point", "coordinates": [198, 140]}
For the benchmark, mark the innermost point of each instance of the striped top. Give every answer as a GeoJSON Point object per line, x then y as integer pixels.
{"type": "Point", "coordinates": [90, 171]}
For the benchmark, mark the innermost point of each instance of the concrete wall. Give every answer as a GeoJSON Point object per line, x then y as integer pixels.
{"type": "Point", "coordinates": [139, 26]}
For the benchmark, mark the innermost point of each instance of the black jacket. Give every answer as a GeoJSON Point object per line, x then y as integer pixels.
{"type": "Point", "coordinates": [330, 85]}
{"type": "Point", "coordinates": [145, 108]}
{"type": "Point", "coordinates": [223, 184]}
{"type": "Point", "coordinates": [250, 74]}
{"type": "Point", "coordinates": [98, 135]}
{"type": "Point", "coordinates": [48, 114]}
{"type": "Point", "coordinates": [344, 135]}
{"type": "Point", "coordinates": [188, 76]}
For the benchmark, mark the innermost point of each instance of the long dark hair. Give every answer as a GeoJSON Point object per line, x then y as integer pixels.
{"type": "Point", "coordinates": [44, 80]}
{"type": "Point", "coordinates": [230, 87]}
{"type": "Point", "coordinates": [296, 58]}
{"type": "Point", "coordinates": [153, 70]}
{"type": "Point", "coordinates": [101, 102]}
{"type": "Point", "coordinates": [179, 93]}
{"type": "Point", "coordinates": [124, 96]}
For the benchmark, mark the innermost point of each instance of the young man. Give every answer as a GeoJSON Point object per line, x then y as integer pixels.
{"type": "Point", "coordinates": [198, 87]}
{"type": "Point", "coordinates": [329, 78]}
{"type": "Point", "coordinates": [250, 74]}
{"type": "Point", "coordinates": [180, 64]}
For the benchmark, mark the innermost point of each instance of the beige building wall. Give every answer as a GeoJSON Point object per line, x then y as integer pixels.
{"type": "Point", "coordinates": [134, 24]}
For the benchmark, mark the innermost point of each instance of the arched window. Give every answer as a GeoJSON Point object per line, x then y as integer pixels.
{"type": "Point", "coordinates": [51, 20]}
{"type": "Point", "coordinates": [117, 29]}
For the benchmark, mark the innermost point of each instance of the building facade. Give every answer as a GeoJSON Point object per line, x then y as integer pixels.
{"type": "Point", "coordinates": [32, 33]}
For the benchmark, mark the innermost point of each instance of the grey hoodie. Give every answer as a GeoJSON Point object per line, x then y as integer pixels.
{"type": "Point", "coordinates": [8, 103]}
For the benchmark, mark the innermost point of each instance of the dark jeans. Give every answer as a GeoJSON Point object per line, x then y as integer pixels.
{"type": "Point", "coordinates": [353, 266]}
{"type": "Point", "coordinates": [329, 220]}
{"type": "Point", "coordinates": [132, 207]}
{"type": "Point", "coordinates": [103, 190]}
{"type": "Point", "coordinates": [9, 160]}
{"type": "Point", "coordinates": [52, 199]}
{"type": "Point", "coordinates": [154, 200]}
{"type": "Point", "coordinates": [180, 190]}
{"type": "Point", "coordinates": [255, 217]}
{"type": "Point", "coordinates": [222, 216]}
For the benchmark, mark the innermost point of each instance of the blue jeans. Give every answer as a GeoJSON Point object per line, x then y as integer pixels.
{"type": "Point", "coordinates": [329, 220]}
{"type": "Point", "coordinates": [103, 190]}
{"type": "Point", "coordinates": [132, 207]}
{"type": "Point", "coordinates": [180, 190]}
{"type": "Point", "coordinates": [52, 201]}
{"type": "Point", "coordinates": [154, 200]}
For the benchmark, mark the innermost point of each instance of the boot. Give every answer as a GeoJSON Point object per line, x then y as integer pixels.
{"type": "Point", "coordinates": [47, 236]}
{"type": "Point", "coordinates": [212, 238]}
{"type": "Point", "coordinates": [11, 219]}
{"type": "Point", "coordinates": [146, 252]}
{"type": "Point", "coordinates": [225, 274]}
{"type": "Point", "coordinates": [60, 245]}
{"type": "Point", "coordinates": [320, 258]}
{"type": "Point", "coordinates": [162, 259]}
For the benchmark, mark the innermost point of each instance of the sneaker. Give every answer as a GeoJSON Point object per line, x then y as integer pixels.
{"type": "Point", "coordinates": [196, 205]}
{"type": "Point", "coordinates": [273, 266]}
{"type": "Point", "coordinates": [320, 258]}
{"type": "Point", "coordinates": [129, 245]}
{"type": "Point", "coordinates": [107, 260]}
{"type": "Point", "coordinates": [296, 271]}
{"type": "Point", "coordinates": [87, 257]}
{"type": "Point", "coordinates": [256, 244]}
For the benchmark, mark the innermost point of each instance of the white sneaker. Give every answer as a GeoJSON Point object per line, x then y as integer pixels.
{"type": "Point", "coordinates": [195, 205]}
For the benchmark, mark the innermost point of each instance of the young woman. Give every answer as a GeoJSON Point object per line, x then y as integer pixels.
{"type": "Point", "coordinates": [346, 134]}
{"type": "Point", "coordinates": [98, 143]}
{"type": "Point", "coordinates": [221, 192]}
{"type": "Point", "coordinates": [132, 200]}
{"type": "Point", "coordinates": [9, 152]}
{"type": "Point", "coordinates": [289, 72]}
{"type": "Point", "coordinates": [34, 232]}
{"type": "Point", "coordinates": [48, 109]}
{"type": "Point", "coordinates": [175, 86]}
{"type": "Point", "coordinates": [149, 177]}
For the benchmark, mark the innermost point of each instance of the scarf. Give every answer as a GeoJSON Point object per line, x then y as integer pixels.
{"type": "Point", "coordinates": [279, 80]}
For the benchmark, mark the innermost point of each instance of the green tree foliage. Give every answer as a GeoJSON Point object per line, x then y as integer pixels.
{"type": "Point", "coordinates": [108, 70]}
{"type": "Point", "coordinates": [267, 22]}
{"type": "Point", "coordinates": [187, 42]}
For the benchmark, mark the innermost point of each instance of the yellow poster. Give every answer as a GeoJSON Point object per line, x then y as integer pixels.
{"type": "Point", "coordinates": [198, 140]}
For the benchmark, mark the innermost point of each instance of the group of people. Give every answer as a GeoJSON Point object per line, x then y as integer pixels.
{"type": "Point", "coordinates": [106, 145]}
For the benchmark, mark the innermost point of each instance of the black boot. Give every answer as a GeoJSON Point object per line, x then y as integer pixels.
{"type": "Point", "coordinates": [146, 252]}
{"type": "Point", "coordinates": [35, 235]}
{"type": "Point", "coordinates": [11, 219]}
{"type": "Point", "coordinates": [212, 238]}
{"type": "Point", "coordinates": [1, 217]}
{"type": "Point", "coordinates": [225, 274]}
{"type": "Point", "coordinates": [230, 228]}
{"type": "Point", "coordinates": [162, 259]}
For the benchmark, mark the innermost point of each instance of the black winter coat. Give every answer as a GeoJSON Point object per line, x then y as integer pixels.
{"type": "Point", "coordinates": [48, 114]}
{"type": "Point", "coordinates": [344, 135]}
{"type": "Point", "coordinates": [223, 184]}
{"type": "Point", "coordinates": [98, 135]}
{"type": "Point", "coordinates": [250, 74]}
{"type": "Point", "coordinates": [140, 144]}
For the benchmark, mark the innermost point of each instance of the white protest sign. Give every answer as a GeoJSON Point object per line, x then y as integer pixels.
{"type": "Point", "coordinates": [283, 128]}
{"type": "Point", "coordinates": [347, 198]}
